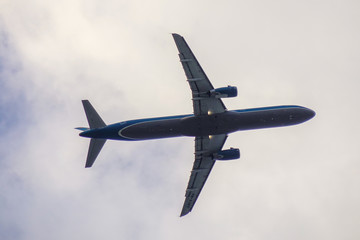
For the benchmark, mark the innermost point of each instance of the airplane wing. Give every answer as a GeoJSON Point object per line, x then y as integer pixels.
{"type": "Point", "coordinates": [199, 83]}
{"type": "Point", "coordinates": [205, 147]}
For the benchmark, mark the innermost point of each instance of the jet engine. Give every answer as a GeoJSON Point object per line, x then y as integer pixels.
{"type": "Point", "coordinates": [229, 154]}
{"type": "Point", "coordinates": [224, 92]}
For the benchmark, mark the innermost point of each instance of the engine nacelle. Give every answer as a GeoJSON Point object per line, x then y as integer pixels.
{"type": "Point", "coordinates": [224, 92]}
{"type": "Point", "coordinates": [229, 154]}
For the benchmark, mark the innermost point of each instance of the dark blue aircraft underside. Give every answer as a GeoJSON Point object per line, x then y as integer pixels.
{"type": "Point", "coordinates": [214, 124]}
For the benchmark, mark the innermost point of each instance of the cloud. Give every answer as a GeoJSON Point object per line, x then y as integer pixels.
{"type": "Point", "coordinates": [298, 182]}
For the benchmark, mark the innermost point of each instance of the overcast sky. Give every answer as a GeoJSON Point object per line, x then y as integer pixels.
{"type": "Point", "coordinates": [299, 182]}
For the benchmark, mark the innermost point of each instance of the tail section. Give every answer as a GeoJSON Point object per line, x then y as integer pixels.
{"type": "Point", "coordinates": [82, 129]}
{"type": "Point", "coordinates": [93, 117]}
{"type": "Point", "coordinates": [94, 150]}
{"type": "Point", "coordinates": [95, 122]}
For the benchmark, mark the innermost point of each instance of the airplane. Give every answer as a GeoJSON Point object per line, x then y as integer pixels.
{"type": "Point", "coordinates": [210, 124]}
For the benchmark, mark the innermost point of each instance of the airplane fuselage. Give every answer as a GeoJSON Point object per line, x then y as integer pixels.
{"type": "Point", "coordinates": [212, 124]}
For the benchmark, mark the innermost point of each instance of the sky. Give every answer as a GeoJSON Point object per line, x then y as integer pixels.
{"type": "Point", "coordinates": [299, 182]}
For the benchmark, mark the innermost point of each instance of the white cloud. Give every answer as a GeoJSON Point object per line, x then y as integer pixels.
{"type": "Point", "coordinates": [298, 182]}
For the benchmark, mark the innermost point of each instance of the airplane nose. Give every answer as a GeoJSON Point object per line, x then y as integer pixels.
{"type": "Point", "coordinates": [307, 114]}
{"type": "Point", "coordinates": [310, 113]}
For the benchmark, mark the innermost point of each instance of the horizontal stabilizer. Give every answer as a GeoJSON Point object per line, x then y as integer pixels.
{"type": "Point", "coordinates": [94, 150]}
{"type": "Point", "coordinates": [92, 116]}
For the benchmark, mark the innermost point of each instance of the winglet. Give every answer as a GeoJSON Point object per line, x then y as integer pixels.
{"type": "Point", "coordinates": [184, 212]}
{"type": "Point", "coordinates": [179, 41]}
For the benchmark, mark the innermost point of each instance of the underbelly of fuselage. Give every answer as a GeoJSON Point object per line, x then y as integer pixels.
{"type": "Point", "coordinates": [222, 123]}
